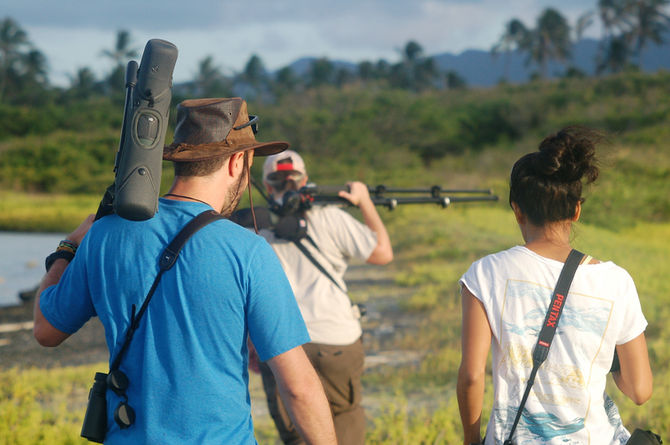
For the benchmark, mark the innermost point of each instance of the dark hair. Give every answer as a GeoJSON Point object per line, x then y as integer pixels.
{"type": "Point", "coordinates": [547, 184]}
{"type": "Point", "coordinates": [199, 168]}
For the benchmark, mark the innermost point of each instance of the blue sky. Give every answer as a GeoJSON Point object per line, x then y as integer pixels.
{"type": "Point", "coordinates": [72, 33]}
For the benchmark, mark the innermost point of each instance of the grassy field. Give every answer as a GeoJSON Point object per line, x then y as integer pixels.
{"type": "Point", "coordinates": [626, 219]}
{"type": "Point", "coordinates": [413, 403]}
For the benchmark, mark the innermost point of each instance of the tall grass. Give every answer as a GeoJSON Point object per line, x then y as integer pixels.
{"type": "Point", "coordinates": [40, 406]}
{"type": "Point", "coordinates": [378, 138]}
{"type": "Point", "coordinates": [414, 403]}
{"type": "Point", "coordinates": [439, 246]}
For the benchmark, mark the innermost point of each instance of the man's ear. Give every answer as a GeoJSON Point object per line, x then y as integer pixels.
{"type": "Point", "coordinates": [236, 164]}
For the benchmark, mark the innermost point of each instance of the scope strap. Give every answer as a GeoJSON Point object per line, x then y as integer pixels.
{"type": "Point", "coordinates": [558, 299]}
{"type": "Point", "coordinates": [310, 257]}
{"type": "Point", "coordinates": [166, 260]}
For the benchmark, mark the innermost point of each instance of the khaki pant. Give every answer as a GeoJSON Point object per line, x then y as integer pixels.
{"type": "Point", "coordinates": [340, 369]}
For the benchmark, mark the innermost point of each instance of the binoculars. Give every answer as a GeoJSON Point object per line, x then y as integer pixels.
{"type": "Point", "coordinates": [94, 427]}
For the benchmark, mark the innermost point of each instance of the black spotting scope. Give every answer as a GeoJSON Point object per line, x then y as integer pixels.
{"type": "Point", "coordinates": [139, 161]}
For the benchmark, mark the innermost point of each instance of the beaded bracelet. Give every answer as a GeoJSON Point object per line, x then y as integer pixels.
{"type": "Point", "coordinates": [67, 246]}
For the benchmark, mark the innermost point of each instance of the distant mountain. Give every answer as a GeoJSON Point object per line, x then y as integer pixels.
{"type": "Point", "coordinates": [484, 69]}
{"type": "Point", "coordinates": [481, 68]}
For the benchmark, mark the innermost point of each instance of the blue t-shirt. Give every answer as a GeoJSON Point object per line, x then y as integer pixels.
{"type": "Point", "coordinates": [187, 362]}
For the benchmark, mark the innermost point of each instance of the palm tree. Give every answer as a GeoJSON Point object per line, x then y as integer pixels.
{"type": "Point", "coordinates": [83, 83]}
{"type": "Point", "coordinates": [615, 18]}
{"type": "Point", "coordinates": [382, 68]}
{"type": "Point", "coordinates": [286, 80]}
{"type": "Point", "coordinates": [209, 81]}
{"type": "Point", "coordinates": [515, 37]}
{"type": "Point", "coordinates": [254, 71]}
{"type": "Point", "coordinates": [414, 71]}
{"type": "Point", "coordinates": [583, 22]}
{"type": "Point", "coordinates": [120, 55]}
{"type": "Point", "coordinates": [651, 23]}
{"type": "Point", "coordinates": [13, 40]}
{"type": "Point", "coordinates": [633, 23]}
{"type": "Point", "coordinates": [615, 56]}
{"type": "Point", "coordinates": [425, 73]}
{"type": "Point", "coordinates": [613, 15]}
{"type": "Point", "coordinates": [412, 51]}
{"type": "Point", "coordinates": [122, 50]}
{"type": "Point", "coordinates": [35, 66]}
{"type": "Point", "coordinates": [366, 70]}
{"type": "Point", "coordinates": [321, 72]}
{"type": "Point", "coordinates": [550, 40]}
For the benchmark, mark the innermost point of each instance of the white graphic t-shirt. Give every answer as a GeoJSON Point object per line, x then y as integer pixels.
{"type": "Point", "coordinates": [567, 403]}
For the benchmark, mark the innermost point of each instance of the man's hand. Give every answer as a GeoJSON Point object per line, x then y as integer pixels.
{"type": "Point", "coordinates": [358, 193]}
{"type": "Point", "coordinates": [359, 196]}
{"type": "Point", "coordinates": [80, 231]}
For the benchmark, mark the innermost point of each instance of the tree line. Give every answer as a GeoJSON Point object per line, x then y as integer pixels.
{"type": "Point", "coordinates": [628, 27]}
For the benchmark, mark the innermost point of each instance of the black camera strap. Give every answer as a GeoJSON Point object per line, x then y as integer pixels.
{"type": "Point", "coordinates": [314, 261]}
{"type": "Point", "coordinates": [558, 299]}
{"type": "Point", "coordinates": [166, 260]}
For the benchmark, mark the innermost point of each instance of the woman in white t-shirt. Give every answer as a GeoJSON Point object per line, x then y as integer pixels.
{"type": "Point", "coordinates": [505, 298]}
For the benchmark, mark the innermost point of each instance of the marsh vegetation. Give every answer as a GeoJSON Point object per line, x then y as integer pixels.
{"type": "Point", "coordinates": [50, 179]}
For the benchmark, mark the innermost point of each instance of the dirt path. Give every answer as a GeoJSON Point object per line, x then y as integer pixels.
{"type": "Point", "coordinates": [18, 348]}
{"type": "Point", "coordinates": [384, 323]}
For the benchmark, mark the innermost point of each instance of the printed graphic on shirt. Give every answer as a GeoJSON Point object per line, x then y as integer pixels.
{"type": "Point", "coordinates": [621, 435]}
{"type": "Point", "coordinates": [561, 383]}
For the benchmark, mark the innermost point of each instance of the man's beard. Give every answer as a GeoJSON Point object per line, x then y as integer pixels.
{"type": "Point", "coordinates": [234, 194]}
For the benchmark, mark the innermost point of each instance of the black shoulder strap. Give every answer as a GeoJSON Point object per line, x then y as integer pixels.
{"type": "Point", "coordinates": [549, 325]}
{"type": "Point", "coordinates": [165, 262]}
{"type": "Point", "coordinates": [310, 257]}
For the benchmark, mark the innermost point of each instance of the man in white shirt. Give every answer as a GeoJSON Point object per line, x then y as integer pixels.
{"type": "Point", "coordinates": [333, 236]}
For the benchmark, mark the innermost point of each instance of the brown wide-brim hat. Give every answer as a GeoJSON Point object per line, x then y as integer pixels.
{"type": "Point", "coordinates": [210, 128]}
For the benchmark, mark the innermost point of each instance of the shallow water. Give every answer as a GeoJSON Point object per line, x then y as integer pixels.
{"type": "Point", "coordinates": [22, 262]}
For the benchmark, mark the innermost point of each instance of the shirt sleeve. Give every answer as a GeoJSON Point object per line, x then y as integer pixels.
{"type": "Point", "coordinates": [68, 305]}
{"type": "Point", "coordinates": [632, 320]}
{"type": "Point", "coordinates": [275, 322]}
{"type": "Point", "coordinates": [472, 280]}
{"type": "Point", "coordinates": [353, 238]}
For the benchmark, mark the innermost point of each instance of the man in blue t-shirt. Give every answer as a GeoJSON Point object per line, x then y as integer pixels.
{"type": "Point", "coordinates": [186, 364]}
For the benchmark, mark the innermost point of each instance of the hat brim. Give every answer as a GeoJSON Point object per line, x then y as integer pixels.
{"type": "Point", "coordinates": [194, 153]}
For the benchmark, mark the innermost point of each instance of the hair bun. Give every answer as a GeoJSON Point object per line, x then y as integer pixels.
{"type": "Point", "coordinates": [568, 156]}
